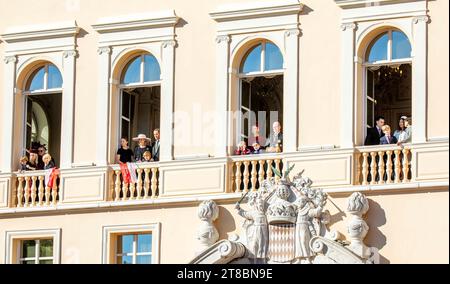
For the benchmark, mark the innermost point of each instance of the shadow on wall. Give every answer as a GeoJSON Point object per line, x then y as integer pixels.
{"type": "Point", "coordinates": [338, 217]}
{"type": "Point", "coordinates": [375, 218]}
{"type": "Point", "coordinates": [226, 225]}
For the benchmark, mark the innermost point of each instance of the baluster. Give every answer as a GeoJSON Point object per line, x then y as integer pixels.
{"type": "Point", "coordinates": [55, 192]}
{"type": "Point", "coordinates": [27, 191]}
{"type": "Point", "coordinates": [118, 184]}
{"type": "Point", "coordinates": [277, 167]}
{"type": "Point", "coordinates": [33, 190]}
{"type": "Point", "coordinates": [232, 187]}
{"type": "Point", "coordinates": [365, 168]}
{"type": "Point", "coordinates": [20, 192]}
{"type": "Point", "coordinates": [269, 169]}
{"type": "Point", "coordinates": [373, 168]}
{"type": "Point", "coordinates": [389, 167]}
{"type": "Point", "coordinates": [41, 190]}
{"type": "Point", "coordinates": [254, 175]}
{"type": "Point", "coordinates": [398, 166]}
{"type": "Point", "coordinates": [238, 176]}
{"type": "Point", "coordinates": [261, 172]}
{"type": "Point", "coordinates": [147, 183]}
{"type": "Point", "coordinates": [405, 165]}
{"type": "Point", "coordinates": [125, 187]}
{"type": "Point", "coordinates": [139, 184]}
{"type": "Point", "coordinates": [47, 195]}
{"type": "Point", "coordinates": [381, 167]}
{"type": "Point", "coordinates": [358, 175]}
{"type": "Point", "coordinates": [132, 190]}
{"type": "Point", "coordinates": [246, 176]}
{"type": "Point", "coordinates": [154, 182]}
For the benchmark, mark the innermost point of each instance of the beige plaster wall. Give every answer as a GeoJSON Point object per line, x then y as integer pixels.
{"type": "Point", "coordinates": [438, 69]}
{"type": "Point", "coordinates": [409, 227]}
{"type": "Point", "coordinates": [319, 61]}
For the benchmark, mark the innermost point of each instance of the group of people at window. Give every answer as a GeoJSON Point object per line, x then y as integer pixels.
{"type": "Point", "coordinates": [145, 152]}
{"type": "Point", "coordinates": [381, 133]}
{"type": "Point", "coordinates": [259, 145]}
{"type": "Point", "coordinates": [36, 159]}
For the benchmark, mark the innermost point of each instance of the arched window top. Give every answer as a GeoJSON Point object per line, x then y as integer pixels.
{"type": "Point", "coordinates": [45, 78]}
{"type": "Point", "coordinates": [389, 46]}
{"type": "Point", "coordinates": [141, 69]}
{"type": "Point", "coordinates": [263, 57]}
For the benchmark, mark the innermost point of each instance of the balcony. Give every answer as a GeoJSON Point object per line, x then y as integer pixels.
{"type": "Point", "coordinates": [377, 168]}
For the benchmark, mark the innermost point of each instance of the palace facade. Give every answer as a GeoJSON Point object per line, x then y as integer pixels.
{"type": "Point", "coordinates": [79, 75]}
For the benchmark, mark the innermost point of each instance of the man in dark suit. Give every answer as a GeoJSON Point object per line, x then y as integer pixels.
{"type": "Point", "coordinates": [155, 145]}
{"type": "Point", "coordinates": [375, 133]}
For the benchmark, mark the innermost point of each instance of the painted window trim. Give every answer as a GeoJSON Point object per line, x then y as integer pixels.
{"type": "Point", "coordinates": [412, 17]}
{"type": "Point", "coordinates": [119, 35]}
{"type": "Point", "coordinates": [52, 42]}
{"type": "Point", "coordinates": [108, 231]}
{"type": "Point", "coordinates": [11, 236]}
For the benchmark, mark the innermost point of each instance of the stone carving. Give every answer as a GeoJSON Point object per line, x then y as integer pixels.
{"type": "Point", "coordinates": [256, 227]}
{"type": "Point", "coordinates": [358, 205]}
{"type": "Point", "coordinates": [207, 235]}
{"type": "Point", "coordinates": [287, 223]}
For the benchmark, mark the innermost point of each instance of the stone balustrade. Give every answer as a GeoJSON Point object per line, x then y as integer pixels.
{"type": "Point", "coordinates": [248, 172]}
{"type": "Point", "coordinates": [383, 165]}
{"type": "Point", "coordinates": [32, 192]}
{"type": "Point", "coordinates": [145, 187]}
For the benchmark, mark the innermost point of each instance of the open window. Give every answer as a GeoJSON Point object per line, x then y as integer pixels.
{"type": "Point", "coordinates": [388, 78]}
{"type": "Point", "coordinates": [140, 99]}
{"type": "Point", "coordinates": [43, 105]}
{"type": "Point", "coordinates": [261, 90]}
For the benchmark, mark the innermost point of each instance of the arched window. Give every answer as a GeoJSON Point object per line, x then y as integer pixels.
{"type": "Point", "coordinates": [43, 103]}
{"type": "Point", "coordinates": [261, 92]}
{"type": "Point", "coordinates": [140, 98]}
{"type": "Point", "coordinates": [388, 78]}
{"type": "Point", "coordinates": [142, 69]}
{"type": "Point", "coordinates": [44, 79]}
{"type": "Point", "coordinates": [263, 57]}
{"type": "Point", "coordinates": [389, 46]}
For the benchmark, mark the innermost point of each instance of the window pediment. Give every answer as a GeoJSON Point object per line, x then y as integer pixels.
{"type": "Point", "coordinates": [39, 38]}
{"type": "Point", "coordinates": [136, 21]}
{"type": "Point", "coordinates": [234, 18]}
{"type": "Point", "coordinates": [136, 28]}
{"type": "Point", "coordinates": [348, 4]}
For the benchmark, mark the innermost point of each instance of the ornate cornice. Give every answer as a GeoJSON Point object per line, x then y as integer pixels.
{"type": "Point", "coordinates": [256, 9]}
{"type": "Point", "coordinates": [292, 32]}
{"type": "Point", "coordinates": [346, 26]}
{"type": "Point", "coordinates": [105, 49]}
{"type": "Point", "coordinates": [222, 38]}
{"type": "Point", "coordinates": [10, 59]}
{"type": "Point", "coordinates": [136, 21]}
{"type": "Point", "coordinates": [53, 30]}
{"type": "Point", "coordinates": [70, 53]}
{"type": "Point", "coordinates": [418, 19]}
{"type": "Point", "coordinates": [167, 43]}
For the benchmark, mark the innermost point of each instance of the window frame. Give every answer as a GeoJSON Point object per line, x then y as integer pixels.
{"type": "Point", "coordinates": [14, 240]}
{"type": "Point", "coordinates": [251, 75]}
{"type": "Point", "coordinates": [134, 254]}
{"type": "Point", "coordinates": [110, 234]}
{"type": "Point", "coordinates": [37, 256]}
{"type": "Point", "coordinates": [389, 62]}
{"type": "Point", "coordinates": [141, 84]}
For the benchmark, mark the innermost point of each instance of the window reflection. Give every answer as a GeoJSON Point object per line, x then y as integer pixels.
{"type": "Point", "coordinates": [273, 57]}
{"type": "Point", "coordinates": [401, 48]}
{"type": "Point", "coordinates": [379, 49]}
